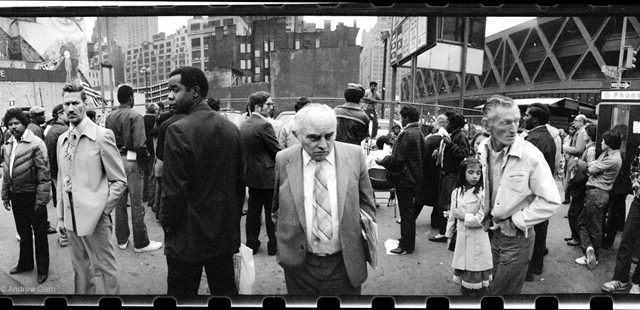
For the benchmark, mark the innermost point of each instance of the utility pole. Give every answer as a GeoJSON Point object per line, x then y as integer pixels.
{"type": "Point", "coordinates": [463, 64]}
{"type": "Point", "coordinates": [620, 58]}
{"type": "Point", "coordinates": [100, 65]}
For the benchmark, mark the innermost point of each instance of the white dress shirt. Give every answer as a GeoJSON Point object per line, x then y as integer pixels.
{"type": "Point", "coordinates": [309, 170]}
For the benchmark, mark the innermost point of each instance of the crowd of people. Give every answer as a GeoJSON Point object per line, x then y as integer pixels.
{"type": "Point", "coordinates": [492, 189]}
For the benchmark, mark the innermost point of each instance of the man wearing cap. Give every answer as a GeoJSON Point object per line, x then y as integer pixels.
{"type": "Point", "coordinates": [371, 97]}
{"type": "Point", "coordinates": [36, 115]}
{"type": "Point", "coordinates": [59, 126]}
{"type": "Point", "coordinates": [353, 122]}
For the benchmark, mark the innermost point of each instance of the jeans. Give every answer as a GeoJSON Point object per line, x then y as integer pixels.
{"type": "Point", "coordinates": [511, 256]}
{"type": "Point", "coordinates": [409, 211]}
{"type": "Point", "coordinates": [134, 189]}
{"type": "Point", "coordinates": [540, 243]}
{"type": "Point", "coordinates": [628, 244]}
{"type": "Point", "coordinates": [575, 208]}
{"type": "Point", "coordinates": [149, 183]}
{"type": "Point", "coordinates": [447, 184]}
{"type": "Point", "coordinates": [257, 199]}
{"type": "Point", "coordinates": [31, 223]}
{"type": "Point", "coordinates": [157, 207]}
{"type": "Point", "coordinates": [591, 219]}
{"type": "Point", "coordinates": [183, 278]}
{"type": "Point", "coordinates": [613, 218]}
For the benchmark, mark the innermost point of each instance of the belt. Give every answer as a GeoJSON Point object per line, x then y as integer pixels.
{"type": "Point", "coordinates": [325, 255]}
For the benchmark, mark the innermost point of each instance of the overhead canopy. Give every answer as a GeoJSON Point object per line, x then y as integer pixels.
{"type": "Point", "coordinates": [566, 104]}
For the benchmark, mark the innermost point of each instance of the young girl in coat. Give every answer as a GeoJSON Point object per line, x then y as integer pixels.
{"type": "Point", "coordinates": [472, 261]}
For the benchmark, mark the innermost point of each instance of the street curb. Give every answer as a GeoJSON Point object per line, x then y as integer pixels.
{"type": "Point", "coordinates": [6, 282]}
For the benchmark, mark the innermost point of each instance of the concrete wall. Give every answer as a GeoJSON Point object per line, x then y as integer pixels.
{"type": "Point", "coordinates": [323, 72]}
{"type": "Point", "coordinates": [26, 94]}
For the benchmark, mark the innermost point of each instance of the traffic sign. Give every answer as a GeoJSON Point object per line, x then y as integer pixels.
{"type": "Point", "coordinates": [624, 85]}
{"type": "Point", "coordinates": [610, 71]}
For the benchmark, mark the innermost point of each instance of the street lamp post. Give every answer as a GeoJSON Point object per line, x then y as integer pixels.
{"type": "Point", "coordinates": [146, 71]}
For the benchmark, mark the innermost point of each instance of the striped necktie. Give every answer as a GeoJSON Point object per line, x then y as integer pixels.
{"type": "Point", "coordinates": [68, 160]}
{"type": "Point", "coordinates": [321, 225]}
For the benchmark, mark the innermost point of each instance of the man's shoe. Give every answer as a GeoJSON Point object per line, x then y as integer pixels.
{"type": "Point", "coordinates": [153, 245]}
{"type": "Point", "coordinates": [573, 243]}
{"type": "Point", "coordinates": [591, 258]}
{"type": "Point", "coordinates": [537, 271]}
{"type": "Point", "coordinates": [244, 212]}
{"type": "Point", "coordinates": [614, 286]}
{"type": "Point", "coordinates": [17, 270]}
{"type": "Point", "coordinates": [401, 251]}
{"type": "Point", "coordinates": [18, 237]}
{"type": "Point", "coordinates": [42, 277]}
{"type": "Point", "coordinates": [545, 252]}
{"type": "Point", "coordinates": [51, 230]}
{"type": "Point", "coordinates": [438, 238]}
{"type": "Point", "coordinates": [272, 252]}
{"type": "Point", "coordinates": [635, 289]}
{"type": "Point", "coordinates": [568, 238]}
{"type": "Point", "coordinates": [529, 277]}
{"type": "Point", "coordinates": [566, 202]}
{"type": "Point", "coordinates": [63, 242]}
{"type": "Point", "coordinates": [582, 260]}
{"type": "Point", "coordinates": [124, 246]}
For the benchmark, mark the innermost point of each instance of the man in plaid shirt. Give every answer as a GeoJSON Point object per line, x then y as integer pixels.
{"type": "Point", "coordinates": [629, 240]}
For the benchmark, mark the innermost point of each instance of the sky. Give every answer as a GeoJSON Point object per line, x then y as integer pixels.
{"type": "Point", "coordinates": [169, 24]}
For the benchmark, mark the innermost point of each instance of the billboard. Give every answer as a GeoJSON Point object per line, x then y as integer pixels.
{"type": "Point", "coordinates": [410, 35]}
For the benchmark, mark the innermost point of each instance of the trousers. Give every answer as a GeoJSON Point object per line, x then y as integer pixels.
{"type": "Point", "coordinates": [409, 211]}
{"type": "Point", "coordinates": [31, 223]}
{"type": "Point", "coordinates": [540, 243]}
{"type": "Point", "coordinates": [575, 208]}
{"type": "Point", "coordinates": [259, 198]}
{"type": "Point", "coordinates": [183, 278]}
{"type": "Point", "coordinates": [628, 243]}
{"type": "Point", "coordinates": [133, 191]}
{"type": "Point", "coordinates": [511, 256]}
{"type": "Point", "coordinates": [596, 200]}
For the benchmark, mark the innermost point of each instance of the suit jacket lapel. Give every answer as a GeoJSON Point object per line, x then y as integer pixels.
{"type": "Point", "coordinates": [342, 177]}
{"type": "Point", "coordinates": [295, 174]}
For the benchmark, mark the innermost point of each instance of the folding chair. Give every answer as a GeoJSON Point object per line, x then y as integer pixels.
{"type": "Point", "coordinates": [380, 182]}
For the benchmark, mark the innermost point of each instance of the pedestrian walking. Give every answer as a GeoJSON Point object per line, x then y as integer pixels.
{"type": "Point", "coordinates": [85, 200]}
{"type": "Point", "coordinates": [602, 174]}
{"type": "Point", "coordinates": [472, 262]}
{"type": "Point", "coordinates": [321, 188]}
{"type": "Point", "coordinates": [259, 145]}
{"type": "Point", "coordinates": [128, 127]}
{"type": "Point", "coordinates": [203, 185]}
{"type": "Point", "coordinates": [26, 191]}
{"type": "Point", "coordinates": [519, 190]}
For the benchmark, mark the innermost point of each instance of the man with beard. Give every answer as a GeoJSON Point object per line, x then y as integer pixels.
{"type": "Point", "coordinates": [535, 121]}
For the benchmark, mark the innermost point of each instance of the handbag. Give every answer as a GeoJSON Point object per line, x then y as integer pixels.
{"type": "Point", "coordinates": [245, 272]}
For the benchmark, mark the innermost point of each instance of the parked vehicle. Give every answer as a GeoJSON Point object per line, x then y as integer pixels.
{"type": "Point", "coordinates": [286, 116]}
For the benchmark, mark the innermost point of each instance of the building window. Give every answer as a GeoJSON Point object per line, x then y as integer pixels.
{"type": "Point", "coordinates": [195, 43]}
{"type": "Point", "coordinates": [266, 45]}
{"type": "Point", "coordinates": [297, 44]}
{"type": "Point", "coordinates": [227, 21]}
{"type": "Point", "coordinates": [266, 79]}
{"type": "Point", "coordinates": [248, 47]}
{"type": "Point", "coordinates": [242, 48]}
{"type": "Point", "coordinates": [168, 44]}
{"type": "Point", "coordinates": [243, 64]}
{"type": "Point", "coordinates": [257, 53]}
{"type": "Point", "coordinates": [317, 43]}
{"type": "Point", "coordinates": [271, 46]}
{"type": "Point", "coordinates": [248, 63]}
{"type": "Point", "coordinates": [197, 64]}
{"type": "Point", "coordinates": [195, 55]}
{"type": "Point", "coordinates": [266, 63]}
{"type": "Point", "coordinates": [195, 27]}
{"type": "Point", "coordinates": [206, 47]}
{"type": "Point", "coordinates": [168, 63]}
{"type": "Point", "coordinates": [257, 70]}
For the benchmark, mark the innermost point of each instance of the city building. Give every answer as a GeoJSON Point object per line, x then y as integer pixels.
{"type": "Point", "coordinates": [199, 28]}
{"type": "Point", "coordinates": [372, 55]}
{"type": "Point", "coordinates": [125, 30]}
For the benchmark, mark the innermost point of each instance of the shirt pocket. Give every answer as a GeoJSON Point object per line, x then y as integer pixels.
{"type": "Point", "coordinates": [517, 180]}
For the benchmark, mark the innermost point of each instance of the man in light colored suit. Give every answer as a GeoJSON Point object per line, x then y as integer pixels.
{"type": "Point", "coordinates": [91, 180]}
{"type": "Point", "coordinates": [320, 187]}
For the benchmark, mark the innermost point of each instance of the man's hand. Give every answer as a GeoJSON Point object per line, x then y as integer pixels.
{"type": "Point", "coordinates": [379, 161]}
{"type": "Point", "coordinates": [7, 205]}
{"type": "Point", "coordinates": [60, 228]}
{"type": "Point", "coordinates": [446, 139]}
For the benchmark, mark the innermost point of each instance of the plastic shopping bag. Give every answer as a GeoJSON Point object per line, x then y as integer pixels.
{"type": "Point", "coordinates": [245, 271]}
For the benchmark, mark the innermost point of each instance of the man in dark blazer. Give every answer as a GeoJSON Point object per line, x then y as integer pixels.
{"type": "Point", "coordinates": [203, 190]}
{"type": "Point", "coordinates": [260, 145]}
{"type": "Point", "coordinates": [321, 186]}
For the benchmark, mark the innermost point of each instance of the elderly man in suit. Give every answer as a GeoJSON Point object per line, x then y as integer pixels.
{"type": "Point", "coordinates": [320, 187]}
{"type": "Point", "coordinates": [203, 185]}
{"type": "Point", "coordinates": [91, 180]}
{"type": "Point", "coordinates": [260, 145]}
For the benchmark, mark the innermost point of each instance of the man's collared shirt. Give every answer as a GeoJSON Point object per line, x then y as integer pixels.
{"type": "Point", "coordinates": [309, 169]}
{"type": "Point", "coordinates": [498, 161]}
{"type": "Point", "coordinates": [78, 131]}
{"type": "Point", "coordinates": [128, 128]}
{"type": "Point", "coordinates": [604, 171]}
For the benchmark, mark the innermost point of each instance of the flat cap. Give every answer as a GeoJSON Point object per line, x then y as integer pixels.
{"type": "Point", "coordinates": [36, 110]}
{"type": "Point", "coordinates": [354, 86]}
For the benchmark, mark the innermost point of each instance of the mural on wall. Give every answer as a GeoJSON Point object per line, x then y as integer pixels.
{"type": "Point", "coordinates": [45, 43]}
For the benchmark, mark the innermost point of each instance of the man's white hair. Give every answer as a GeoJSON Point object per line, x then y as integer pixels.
{"type": "Point", "coordinates": [312, 112]}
